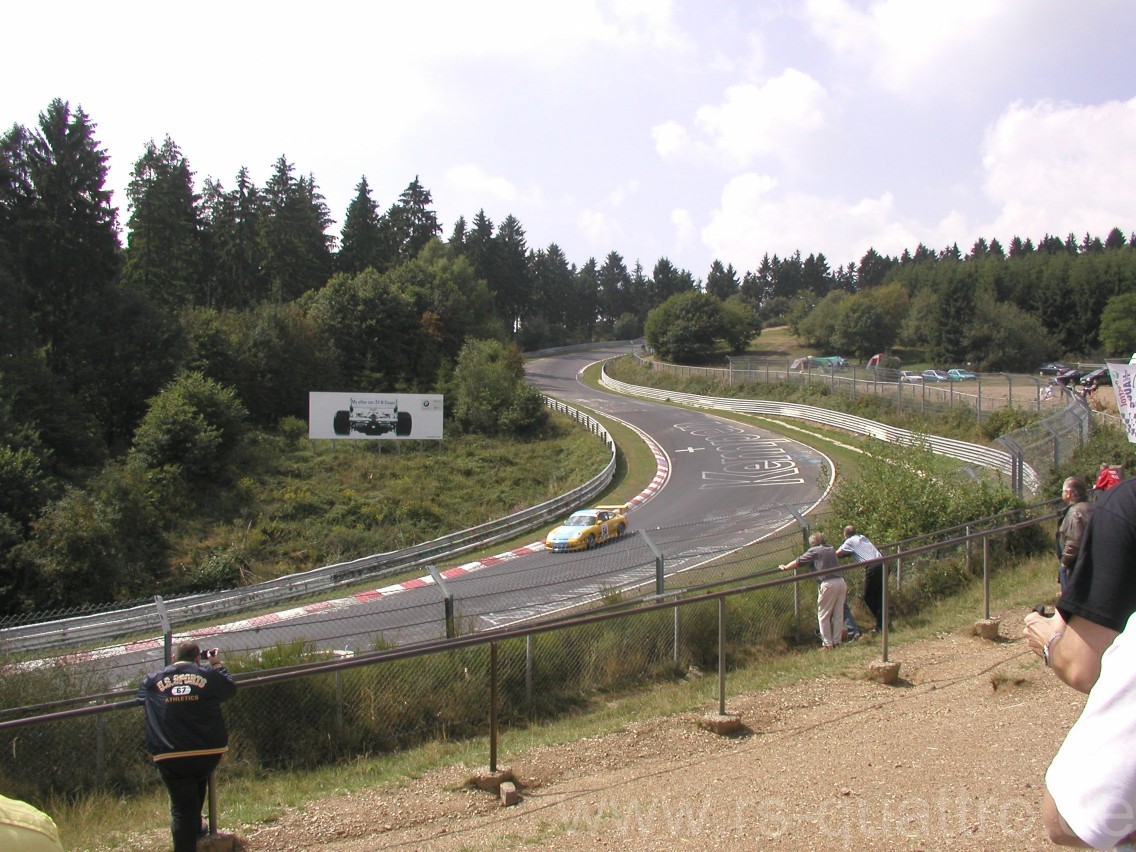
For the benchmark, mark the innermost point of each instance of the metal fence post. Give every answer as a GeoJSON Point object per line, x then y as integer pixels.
{"type": "Point", "coordinates": [167, 631]}
{"type": "Point", "coordinates": [492, 706]}
{"type": "Point", "coordinates": [986, 575]}
{"type": "Point", "coordinates": [213, 802]}
{"type": "Point", "coordinates": [721, 656]}
{"type": "Point", "coordinates": [660, 578]}
{"type": "Point", "coordinates": [447, 600]}
{"type": "Point", "coordinates": [885, 619]}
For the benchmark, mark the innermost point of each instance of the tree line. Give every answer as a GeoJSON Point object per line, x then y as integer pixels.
{"type": "Point", "coordinates": [130, 369]}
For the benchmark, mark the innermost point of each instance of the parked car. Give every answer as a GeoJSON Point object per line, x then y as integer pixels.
{"type": "Point", "coordinates": [588, 528]}
{"type": "Point", "coordinates": [1068, 378]}
{"type": "Point", "coordinates": [935, 376]}
{"type": "Point", "coordinates": [910, 376]}
{"type": "Point", "coordinates": [957, 375]}
{"type": "Point", "coordinates": [1053, 368]}
{"type": "Point", "coordinates": [1101, 376]}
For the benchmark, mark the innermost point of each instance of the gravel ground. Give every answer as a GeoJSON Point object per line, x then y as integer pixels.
{"type": "Point", "coordinates": [952, 756]}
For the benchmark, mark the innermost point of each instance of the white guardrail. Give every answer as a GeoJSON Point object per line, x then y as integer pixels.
{"type": "Point", "coordinates": [962, 450]}
{"type": "Point", "coordinates": [102, 626]}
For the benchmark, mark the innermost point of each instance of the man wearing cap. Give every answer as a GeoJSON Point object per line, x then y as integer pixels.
{"type": "Point", "coordinates": [186, 733]}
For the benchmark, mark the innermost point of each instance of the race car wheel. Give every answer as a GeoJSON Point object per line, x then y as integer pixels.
{"type": "Point", "coordinates": [342, 423]}
{"type": "Point", "coordinates": [618, 530]}
{"type": "Point", "coordinates": [402, 424]}
{"type": "Point", "coordinates": [589, 542]}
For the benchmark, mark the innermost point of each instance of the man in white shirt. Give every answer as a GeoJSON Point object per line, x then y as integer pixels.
{"type": "Point", "coordinates": [862, 548]}
{"type": "Point", "coordinates": [1090, 794]}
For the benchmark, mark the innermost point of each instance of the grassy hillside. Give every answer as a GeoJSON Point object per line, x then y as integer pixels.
{"type": "Point", "coordinates": [300, 504]}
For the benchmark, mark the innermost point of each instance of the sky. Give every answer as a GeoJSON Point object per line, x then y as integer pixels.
{"type": "Point", "coordinates": [695, 130]}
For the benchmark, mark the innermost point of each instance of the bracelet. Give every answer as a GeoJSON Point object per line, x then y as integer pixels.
{"type": "Point", "coordinates": [1045, 649]}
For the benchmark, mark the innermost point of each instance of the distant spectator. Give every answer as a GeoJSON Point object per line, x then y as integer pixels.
{"type": "Point", "coordinates": [1072, 528]}
{"type": "Point", "coordinates": [1108, 477]}
{"type": "Point", "coordinates": [27, 829]}
{"type": "Point", "coordinates": [833, 590]}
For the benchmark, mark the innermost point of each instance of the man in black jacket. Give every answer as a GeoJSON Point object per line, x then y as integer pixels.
{"type": "Point", "coordinates": [185, 732]}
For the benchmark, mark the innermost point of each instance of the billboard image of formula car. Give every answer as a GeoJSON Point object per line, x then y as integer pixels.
{"type": "Point", "coordinates": [375, 415]}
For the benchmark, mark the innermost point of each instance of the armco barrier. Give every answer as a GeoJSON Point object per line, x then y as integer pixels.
{"type": "Point", "coordinates": [990, 457]}
{"type": "Point", "coordinates": [104, 626]}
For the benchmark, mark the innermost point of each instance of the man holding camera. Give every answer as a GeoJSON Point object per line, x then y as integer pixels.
{"type": "Point", "coordinates": [186, 733]}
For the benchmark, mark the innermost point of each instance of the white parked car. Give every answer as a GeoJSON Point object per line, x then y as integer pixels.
{"type": "Point", "coordinates": [910, 376]}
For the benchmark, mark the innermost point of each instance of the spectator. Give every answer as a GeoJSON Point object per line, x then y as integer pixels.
{"type": "Point", "coordinates": [1101, 593]}
{"type": "Point", "coordinates": [833, 590]}
{"type": "Point", "coordinates": [1072, 528]}
{"type": "Point", "coordinates": [1108, 477]}
{"type": "Point", "coordinates": [27, 829]}
{"type": "Point", "coordinates": [1090, 796]}
{"type": "Point", "coordinates": [852, 630]}
{"type": "Point", "coordinates": [862, 548]}
{"type": "Point", "coordinates": [185, 732]}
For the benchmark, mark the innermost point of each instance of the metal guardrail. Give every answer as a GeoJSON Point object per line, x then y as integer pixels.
{"type": "Point", "coordinates": [989, 457]}
{"type": "Point", "coordinates": [103, 626]}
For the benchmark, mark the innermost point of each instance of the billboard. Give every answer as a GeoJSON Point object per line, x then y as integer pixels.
{"type": "Point", "coordinates": [387, 416]}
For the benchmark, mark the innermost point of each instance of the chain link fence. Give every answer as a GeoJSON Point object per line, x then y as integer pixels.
{"type": "Point", "coordinates": [654, 608]}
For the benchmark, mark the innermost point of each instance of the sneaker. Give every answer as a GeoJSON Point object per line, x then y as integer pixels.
{"type": "Point", "coordinates": [852, 637]}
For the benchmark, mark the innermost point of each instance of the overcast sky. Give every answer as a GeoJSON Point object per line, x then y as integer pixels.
{"type": "Point", "coordinates": [693, 130]}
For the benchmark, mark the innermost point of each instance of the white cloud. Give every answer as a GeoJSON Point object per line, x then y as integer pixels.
{"type": "Point", "coordinates": [471, 181]}
{"type": "Point", "coordinates": [906, 45]}
{"type": "Point", "coordinates": [671, 140]}
{"type": "Point", "coordinates": [684, 228]}
{"type": "Point", "coordinates": [775, 118]}
{"type": "Point", "coordinates": [753, 220]}
{"type": "Point", "coordinates": [601, 231]}
{"type": "Point", "coordinates": [1061, 168]}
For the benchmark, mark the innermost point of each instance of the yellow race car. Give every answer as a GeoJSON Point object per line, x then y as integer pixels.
{"type": "Point", "coordinates": [587, 528]}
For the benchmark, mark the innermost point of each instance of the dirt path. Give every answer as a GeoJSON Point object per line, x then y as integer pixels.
{"type": "Point", "coordinates": [951, 757]}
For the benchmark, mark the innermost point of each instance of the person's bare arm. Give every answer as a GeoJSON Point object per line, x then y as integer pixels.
{"type": "Point", "coordinates": [1055, 825]}
{"type": "Point", "coordinates": [1075, 655]}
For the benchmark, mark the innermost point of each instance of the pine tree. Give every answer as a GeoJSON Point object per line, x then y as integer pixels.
{"type": "Point", "coordinates": [164, 255]}
{"type": "Point", "coordinates": [61, 226]}
{"type": "Point", "coordinates": [297, 248]}
{"type": "Point", "coordinates": [235, 256]}
{"type": "Point", "coordinates": [722, 282]}
{"type": "Point", "coordinates": [361, 241]}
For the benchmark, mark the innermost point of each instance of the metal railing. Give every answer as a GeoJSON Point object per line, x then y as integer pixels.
{"type": "Point", "coordinates": [978, 454]}
{"type": "Point", "coordinates": [474, 684]}
{"type": "Point", "coordinates": [105, 625]}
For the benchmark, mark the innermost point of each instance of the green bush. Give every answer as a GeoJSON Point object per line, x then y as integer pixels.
{"type": "Point", "coordinates": [194, 424]}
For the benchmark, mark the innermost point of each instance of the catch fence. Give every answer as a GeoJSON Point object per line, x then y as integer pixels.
{"type": "Point", "coordinates": [1031, 452]}
{"type": "Point", "coordinates": [667, 602]}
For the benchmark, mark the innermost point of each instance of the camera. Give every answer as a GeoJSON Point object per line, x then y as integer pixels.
{"type": "Point", "coordinates": [211, 653]}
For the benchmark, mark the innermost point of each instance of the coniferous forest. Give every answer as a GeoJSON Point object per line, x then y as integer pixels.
{"type": "Point", "coordinates": [140, 345]}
